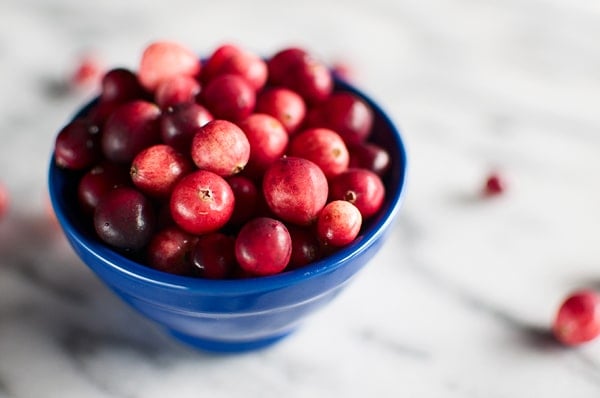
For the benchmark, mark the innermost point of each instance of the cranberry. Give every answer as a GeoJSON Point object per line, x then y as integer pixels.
{"type": "Point", "coordinates": [89, 71]}
{"type": "Point", "coordinates": [99, 180]}
{"type": "Point", "coordinates": [494, 184]}
{"type": "Point", "coordinates": [346, 114]}
{"type": "Point", "coordinates": [295, 69]}
{"type": "Point", "coordinates": [77, 145]}
{"type": "Point", "coordinates": [246, 199]}
{"type": "Point", "coordinates": [295, 189]}
{"type": "Point", "coordinates": [213, 256]}
{"type": "Point", "coordinates": [170, 251]}
{"type": "Point", "coordinates": [4, 200]}
{"type": "Point", "coordinates": [229, 97]}
{"type": "Point", "coordinates": [263, 246]}
{"type": "Point", "coordinates": [322, 146]}
{"type": "Point", "coordinates": [176, 90]}
{"type": "Point", "coordinates": [305, 246]}
{"type": "Point", "coordinates": [125, 219]}
{"type": "Point", "coordinates": [121, 85]}
{"type": "Point", "coordinates": [163, 60]}
{"type": "Point", "coordinates": [285, 105]}
{"type": "Point", "coordinates": [202, 202]}
{"type": "Point", "coordinates": [578, 318]}
{"type": "Point", "coordinates": [220, 146]}
{"type": "Point", "coordinates": [179, 123]}
{"type": "Point", "coordinates": [362, 188]}
{"type": "Point", "coordinates": [366, 155]}
{"type": "Point", "coordinates": [339, 223]}
{"type": "Point", "coordinates": [156, 169]}
{"type": "Point", "coordinates": [268, 141]}
{"type": "Point", "coordinates": [229, 59]}
{"type": "Point", "coordinates": [132, 127]}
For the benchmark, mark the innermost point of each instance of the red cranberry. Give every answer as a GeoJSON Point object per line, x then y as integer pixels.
{"type": "Point", "coordinates": [322, 146]}
{"type": "Point", "coordinates": [295, 189]}
{"type": "Point", "coordinates": [99, 180]}
{"type": "Point", "coordinates": [268, 141]}
{"type": "Point", "coordinates": [179, 123]}
{"type": "Point", "coordinates": [578, 318]}
{"type": "Point", "coordinates": [229, 97]}
{"type": "Point", "coordinates": [306, 248]}
{"type": "Point", "coordinates": [362, 188]}
{"type": "Point", "coordinates": [170, 251]}
{"type": "Point", "coordinates": [263, 246]}
{"type": "Point", "coordinates": [346, 114]}
{"type": "Point", "coordinates": [77, 145]}
{"type": "Point", "coordinates": [132, 127]}
{"type": "Point", "coordinates": [229, 59]}
{"type": "Point", "coordinates": [339, 223]}
{"type": "Point", "coordinates": [202, 202]}
{"type": "Point", "coordinates": [366, 155]}
{"type": "Point", "coordinates": [156, 169]}
{"type": "Point", "coordinates": [125, 219]}
{"type": "Point", "coordinates": [285, 105]}
{"type": "Point", "coordinates": [220, 146]}
{"type": "Point", "coordinates": [164, 60]}
{"type": "Point", "coordinates": [246, 199]}
{"type": "Point", "coordinates": [213, 256]}
{"type": "Point", "coordinates": [296, 69]}
{"type": "Point", "coordinates": [121, 85]}
{"type": "Point", "coordinates": [176, 90]}
{"type": "Point", "coordinates": [494, 185]}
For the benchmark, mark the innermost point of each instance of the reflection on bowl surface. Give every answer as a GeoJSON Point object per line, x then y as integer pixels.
{"type": "Point", "coordinates": [234, 315]}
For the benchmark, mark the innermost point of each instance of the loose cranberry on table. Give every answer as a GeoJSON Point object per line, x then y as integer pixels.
{"type": "Point", "coordinates": [494, 184]}
{"type": "Point", "coordinates": [578, 318]}
{"type": "Point", "coordinates": [4, 199]}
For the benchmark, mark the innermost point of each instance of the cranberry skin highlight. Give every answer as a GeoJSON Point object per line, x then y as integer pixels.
{"type": "Point", "coordinates": [202, 202]}
{"type": "Point", "coordinates": [125, 219]}
{"type": "Point", "coordinates": [220, 146]}
{"type": "Point", "coordinates": [263, 246]}
{"type": "Point", "coordinates": [295, 189]}
{"type": "Point", "coordinates": [578, 318]}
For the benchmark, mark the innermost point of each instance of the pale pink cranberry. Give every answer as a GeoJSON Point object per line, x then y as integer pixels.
{"type": "Point", "coordinates": [295, 189]}
{"type": "Point", "coordinates": [285, 105]}
{"type": "Point", "coordinates": [322, 146]}
{"type": "Point", "coordinates": [220, 146]}
{"type": "Point", "coordinates": [339, 223]}
{"type": "Point", "coordinates": [362, 188]}
{"type": "Point", "coordinates": [230, 59]}
{"type": "Point", "coordinates": [4, 200]}
{"type": "Point", "coordinates": [578, 318]}
{"type": "Point", "coordinates": [163, 60]}
{"type": "Point", "coordinates": [202, 202]}
{"type": "Point", "coordinates": [263, 246]}
{"type": "Point", "coordinates": [170, 251]}
{"type": "Point", "coordinates": [156, 169]}
{"type": "Point", "coordinates": [89, 71]}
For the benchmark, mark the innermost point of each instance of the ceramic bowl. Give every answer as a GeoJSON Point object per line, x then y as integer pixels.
{"type": "Point", "coordinates": [235, 315]}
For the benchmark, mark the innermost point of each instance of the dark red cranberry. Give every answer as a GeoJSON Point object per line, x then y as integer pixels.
{"type": "Point", "coordinates": [213, 256]}
{"type": "Point", "coordinates": [77, 145]}
{"type": "Point", "coordinates": [179, 123]}
{"type": "Point", "coordinates": [170, 251]}
{"type": "Point", "coordinates": [99, 180]}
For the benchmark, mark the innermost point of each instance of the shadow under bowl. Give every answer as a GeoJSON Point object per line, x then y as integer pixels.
{"type": "Point", "coordinates": [234, 315]}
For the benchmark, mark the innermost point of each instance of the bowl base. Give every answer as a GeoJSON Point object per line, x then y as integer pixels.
{"type": "Point", "coordinates": [225, 347]}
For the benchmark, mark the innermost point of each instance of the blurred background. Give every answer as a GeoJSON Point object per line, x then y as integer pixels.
{"type": "Point", "coordinates": [458, 304]}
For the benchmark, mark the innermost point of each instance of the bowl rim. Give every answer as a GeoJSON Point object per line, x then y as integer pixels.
{"type": "Point", "coordinates": [150, 277]}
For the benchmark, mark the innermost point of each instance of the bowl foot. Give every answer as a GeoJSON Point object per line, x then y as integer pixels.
{"type": "Point", "coordinates": [225, 347]}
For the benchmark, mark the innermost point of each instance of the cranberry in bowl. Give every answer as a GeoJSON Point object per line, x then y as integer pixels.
{"type": "Point", "coordinates": [222, 289]}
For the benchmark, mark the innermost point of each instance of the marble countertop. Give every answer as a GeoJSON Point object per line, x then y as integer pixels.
{"type": "Point", "coordinates": [457, 304]}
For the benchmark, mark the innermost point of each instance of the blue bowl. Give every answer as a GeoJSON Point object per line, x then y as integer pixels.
{"type": "Point", "coordinates": [234, 315]}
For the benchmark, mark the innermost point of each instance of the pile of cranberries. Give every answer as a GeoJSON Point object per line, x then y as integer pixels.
{"type": "Point", "coordinates": [228, 167]}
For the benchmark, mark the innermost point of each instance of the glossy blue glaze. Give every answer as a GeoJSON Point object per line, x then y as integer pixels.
{"type": "Point", "coordinates": [234, 315]}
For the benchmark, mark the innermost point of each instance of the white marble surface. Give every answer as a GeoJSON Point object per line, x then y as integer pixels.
{"type": "Point", "coordinates": [457, 304]}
